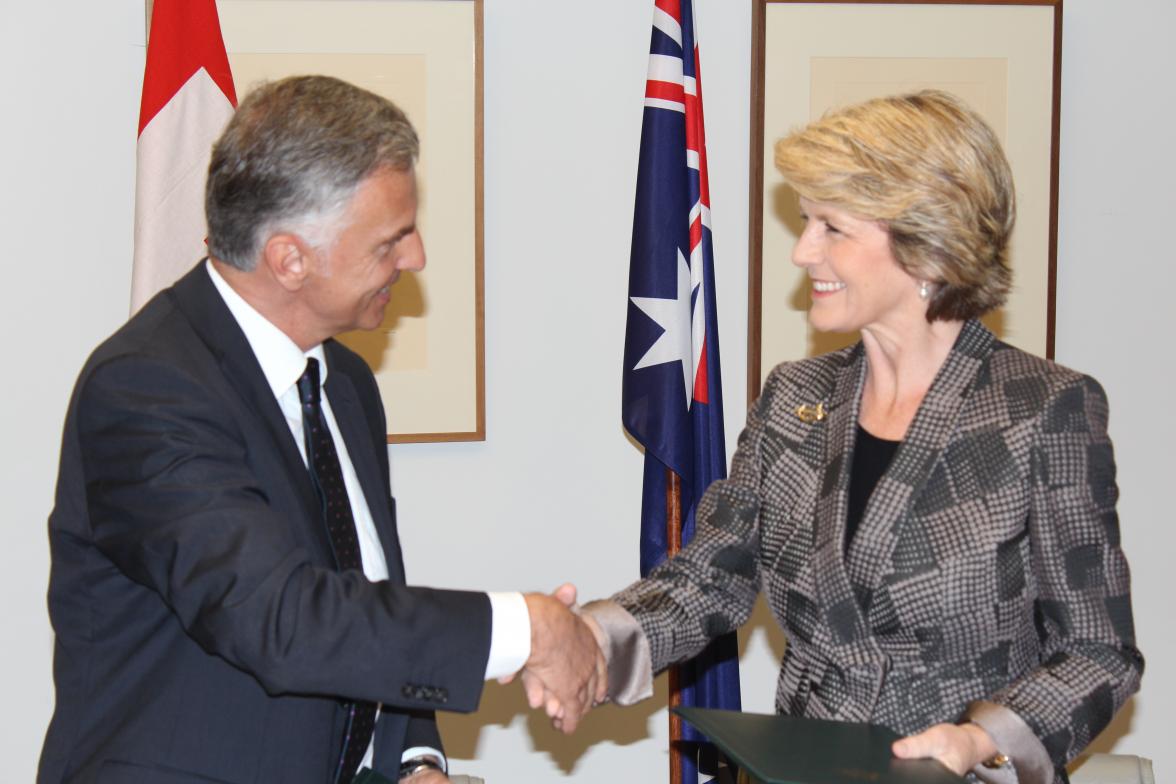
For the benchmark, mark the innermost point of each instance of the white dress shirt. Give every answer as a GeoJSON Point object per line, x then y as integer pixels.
{"type": "Point", "coordinates": [283, 363]}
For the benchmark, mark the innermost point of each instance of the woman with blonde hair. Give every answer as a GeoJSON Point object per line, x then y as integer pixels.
{"type": "Point", "coordinates": [930, 512]}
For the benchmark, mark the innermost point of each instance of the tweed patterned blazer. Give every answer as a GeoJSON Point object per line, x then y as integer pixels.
{"type": "Point", "coordinates": [986, 569]}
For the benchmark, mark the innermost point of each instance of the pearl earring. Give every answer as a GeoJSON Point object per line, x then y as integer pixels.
{"type": "Point", "coordinates": [924, 290]}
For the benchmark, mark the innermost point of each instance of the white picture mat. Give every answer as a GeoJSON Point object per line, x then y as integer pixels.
{"type": "Point", "coordinates": [821, 55]}
{"type": "Point", "coordinates": [420, 55]}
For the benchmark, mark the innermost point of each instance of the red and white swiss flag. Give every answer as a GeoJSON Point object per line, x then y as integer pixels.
{"type": "Point", "coordinates": [188, 97]}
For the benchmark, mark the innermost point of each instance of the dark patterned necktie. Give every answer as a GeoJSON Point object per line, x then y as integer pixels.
{"type": "Point", "coordinates": [327, 475]}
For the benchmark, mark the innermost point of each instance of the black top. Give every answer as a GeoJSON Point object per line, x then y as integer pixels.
{"type": "Point", "coordinates": [871, 458]}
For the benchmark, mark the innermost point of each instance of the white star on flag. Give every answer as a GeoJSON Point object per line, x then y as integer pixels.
{"type": "Point", "coordinates": [673, 316]}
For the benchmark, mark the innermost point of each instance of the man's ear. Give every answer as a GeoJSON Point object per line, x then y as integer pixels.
{"type": "Point", "coordinates": [289, 259]}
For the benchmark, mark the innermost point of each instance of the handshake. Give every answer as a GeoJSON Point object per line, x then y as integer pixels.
{"type": "Point", "coordinates": [566, 673]}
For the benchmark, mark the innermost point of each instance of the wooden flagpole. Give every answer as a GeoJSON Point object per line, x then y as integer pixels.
{"type": "Point", "coordinates": [673, 545]}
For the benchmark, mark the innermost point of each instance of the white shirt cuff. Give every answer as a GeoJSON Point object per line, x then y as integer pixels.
{"type": "Point", "coordinates": [510, 634]}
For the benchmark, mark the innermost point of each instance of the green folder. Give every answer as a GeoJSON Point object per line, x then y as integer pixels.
{"type": "Point", "coordinates": [793, 750]}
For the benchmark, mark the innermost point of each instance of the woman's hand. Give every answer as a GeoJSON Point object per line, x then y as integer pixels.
{"type": "Point", "coordinates": [960, 747]}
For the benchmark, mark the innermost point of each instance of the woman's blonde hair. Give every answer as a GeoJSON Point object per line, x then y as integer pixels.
{"type": "Point", "coordinates": [933, 172]}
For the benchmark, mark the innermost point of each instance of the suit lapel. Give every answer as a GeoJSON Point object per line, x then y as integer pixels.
{"type": "Point", "coordinates": [353, 427]}
{"type": "Point", "coordinates": [197, 298]}
{"type": "Point", "coordinates": [892, 539]}
{"type": "Point", "coordinates": [889, 539]}
{"type": "Point", "coordinates": [834, 591]}
{"type": "Point", "coordinates": [846, 664]}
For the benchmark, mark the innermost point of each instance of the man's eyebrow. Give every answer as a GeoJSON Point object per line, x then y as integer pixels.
{"type": "Point", "coordinates": [404, 232]}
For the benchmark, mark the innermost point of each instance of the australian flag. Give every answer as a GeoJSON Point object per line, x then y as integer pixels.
{"type": "Point", "coordinates": [672, 399]}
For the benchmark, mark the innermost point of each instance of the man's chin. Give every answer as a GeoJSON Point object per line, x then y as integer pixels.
{"type": "Point", "coordinates": [372, 321]}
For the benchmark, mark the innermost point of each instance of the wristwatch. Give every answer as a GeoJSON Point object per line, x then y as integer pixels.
{"type": "Point", "coordinates": [411, 767]}
{"type": "Point", "coordinates": [996, 761]}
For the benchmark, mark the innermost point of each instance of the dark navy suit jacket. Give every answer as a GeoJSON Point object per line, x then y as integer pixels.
{"type": "Point", "coordinates": [203, 633]}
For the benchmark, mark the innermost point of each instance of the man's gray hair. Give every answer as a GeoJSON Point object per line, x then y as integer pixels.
{"type": "Point", "coordinates": [292, 157]}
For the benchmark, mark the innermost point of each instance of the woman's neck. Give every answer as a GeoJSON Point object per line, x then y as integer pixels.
{"type": "Point", "coordinates": [901, 364]}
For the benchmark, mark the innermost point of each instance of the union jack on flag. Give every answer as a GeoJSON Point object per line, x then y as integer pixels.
{"type": "Point", "coordinates": [672, 399]}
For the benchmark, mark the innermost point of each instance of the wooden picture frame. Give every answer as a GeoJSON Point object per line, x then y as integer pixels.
{"type": "Point", "coordinates": [425, 56]}
{"type": "Point", "coordinates": [1003, 57]}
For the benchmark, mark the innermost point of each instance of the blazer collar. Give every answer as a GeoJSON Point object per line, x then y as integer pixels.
{"type": "Point", "coordinates": [888, 521]}
{"type": "Point", "coordinates": [846, 585]}
{"type": "Point", "coordinates": [844, 623]}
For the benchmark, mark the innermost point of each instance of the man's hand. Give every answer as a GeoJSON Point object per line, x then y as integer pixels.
{"type": "Point", "coordinates": [960, 747]}
{"type": "Point", "coordinates": [566, 673]}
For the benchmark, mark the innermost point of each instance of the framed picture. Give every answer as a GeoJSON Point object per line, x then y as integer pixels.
{"type": "Point", "coordinates": [426, 57]}
{"type": "Point", "coordinates": [1003, 58]}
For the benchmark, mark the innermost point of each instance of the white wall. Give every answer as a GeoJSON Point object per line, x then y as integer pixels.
{"type": "Point", "coordinates": [1115, 278]}
{"type": "Point", "coordinates": [71, 74]}
{"type": "Point", "coordinates": [552, 494]}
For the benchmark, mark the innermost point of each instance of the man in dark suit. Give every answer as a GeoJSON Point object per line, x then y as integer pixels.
{"type": "Point", "coordinates": [227, 587]}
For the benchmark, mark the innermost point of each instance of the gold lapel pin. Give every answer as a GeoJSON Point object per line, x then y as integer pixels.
{"type": "Point", "coordinates": [809, 414]}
